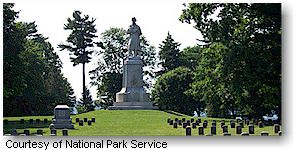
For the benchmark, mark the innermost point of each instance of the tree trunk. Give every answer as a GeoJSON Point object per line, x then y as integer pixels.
{"type": "Point", "coordinates": [83, 83]}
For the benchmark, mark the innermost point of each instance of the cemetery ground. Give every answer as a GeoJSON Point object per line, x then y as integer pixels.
{"type": "Point", "coordinates": [124, 123]}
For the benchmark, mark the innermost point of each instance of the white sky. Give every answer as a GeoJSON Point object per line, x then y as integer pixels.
{"type": "Point", "coordinates": [155, 20]}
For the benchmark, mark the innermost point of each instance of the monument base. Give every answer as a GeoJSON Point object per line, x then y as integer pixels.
{"type": "Point", "coordinates": [62, 124]}
{"type": "Point", "coordinates": [133, 106]}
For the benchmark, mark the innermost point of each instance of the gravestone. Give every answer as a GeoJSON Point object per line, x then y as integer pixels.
{"type": "Point", "coordinates": [201, 131]}
{"type": "Point", "coordinates": [245, 134]}
{"type": "Point", "coordinates": [225, 129]}
{"type": "Point", "coordinates": [89, 122]}
{"type": "Point", "coordinates": [27, 132]}
{"type": "Point", "coordinates": [93, 119]}
{"type": "Point", "coordinates": [222, 124]}
{"type": "Point", "coordinates": [85, 119]}
{"type": "Point", "coordinates": [171, 122]}
{"type": "Point", "coordinates": [197, 123]}
{"type": "Point", "coordinates": [7, 134]}
{"type": "Point", "coordinates": [176, 119]}
{"type": "Point", "coordinates": [226, 134]}
{"type": "Point", "coordinates": [248, 122]}
{"type": "Point", "coordinates": [53, 132]}
{"type": "Point", "coordinates": [80, 122]}
{"type": "Point", "coordinates": [45, 120]}
{"type": "Point", "coordinates": [77, 120]}
{"type": "Point", "coordinates": [40, 132]}
{"type": "Point", "coordinates": [192, 120]}
{"type": "Point", "coordinates": [251, 129]}
{"type": "Point", "coordinates": [180, 122]}
{"type": "Point", "coordinates": [13, 132]}
{"type": "Point", "coordinates": [188, 122]}
{"type": "Point", "coordinates": [241, 124]}
{"type": "Point", "coordinates": [193, 125]}
{"type": "Point", "coordinates": [62, 118]}
{"type": "Point", "coordinates": [168, 120]}
{"type": "Point", "coordinates": [213, 130]}
{"type": "Point", "coordinates": [276, 128]}
{"type": "Point", "coordinates": [214, 124]}
{"type": "Point", "coordinates": [205, 124]}
{"type": "Point", "coordinates": [260, 124]}
{"type": "Point", "coordinates": [183, 119]}
{"type": "Point", "coordinates": [175, 125]}
{"type": "Point", "coordinates": [280, 133]}
{"type": "Point", "coordinates": [188, 131]}
{"type": "Point", "coordinates": [232, 125]}
{"type": "Point", "coordinates": [37, 121]}
{"type": "Point", "coordinates": [31, 121]}
{"type": "Point", "coordinates": [199, 120]}
{"type": "Point", "coordinates": [184, 125]}
{"type": "Point", "coordinates": [264, 133]}
{"type": "Point", "coordinates": [65, 132]}
{"type": "Point", "coordinates": [255, 121]}
{"type": "Point", "coordinates": [238, 129]}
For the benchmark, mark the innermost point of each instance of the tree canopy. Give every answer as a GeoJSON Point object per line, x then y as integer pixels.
{"type": "Point", "coordinates": [33, 82]}
{"type": "Point", "coordinates": [251, 67]}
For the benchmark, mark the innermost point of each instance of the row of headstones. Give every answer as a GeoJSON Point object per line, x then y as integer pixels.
{"type": "Point", "coordinates": [224, 127]}
{"type": "Point", "coordinates": [31, 121]}
{"type": "Point", "coordinates": [232, 122]}
{"type": "Point", "coordinates": [225, 132]}
{"type": "Point", "coordinates": [53, 132]}
{"type": "Point", "coordinates": [89, 122]}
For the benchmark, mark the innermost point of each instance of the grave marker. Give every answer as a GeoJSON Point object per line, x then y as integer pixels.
{"type": "Point", "coordinates": [201, 131]}
{"type": "Point", "coordinates": [13, 132]}
{"type": "Point", "coordinates": [93, 119]}
{"type": "Point", "coordinates": [225, 129]}
{"type": "Point", "coordinates": [213, 130]}
{"type": "Point", "coordinates": [65, 132]}
{"type": "Point", "coordinates": [188, 131]}
{"type": "Point", "coordinates": [40, 132]}
{"type": "Point", "coordinates": [251, 129]}
{"type": "Point", "coordinates": [175, 125]}
{"type": "Point", "coordinates": [277, 128]}
{"type": "Point", "coordinates": [27, 132]}
{"type": "Point", "coordinates": [238, 129]}
{"type": "Point", "coordinates": [264, 133]}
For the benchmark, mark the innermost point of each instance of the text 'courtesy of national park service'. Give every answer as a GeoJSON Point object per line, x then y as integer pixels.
{"type": "Point", "coordinates": [106, 144]}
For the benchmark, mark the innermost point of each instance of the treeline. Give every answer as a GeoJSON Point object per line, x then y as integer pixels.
{"type": "Point", "coordinates": [236, 68]}
{"type": "Point", "coordinates": [32, 80]}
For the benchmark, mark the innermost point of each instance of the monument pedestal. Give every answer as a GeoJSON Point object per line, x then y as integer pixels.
{"type": "Point", "coordinates": [132, 94]}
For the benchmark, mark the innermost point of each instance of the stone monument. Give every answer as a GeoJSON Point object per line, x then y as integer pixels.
{"type": "Point", "coordinates": [133, 95]}
{"type": "Point", "coordinates": [62, 118]}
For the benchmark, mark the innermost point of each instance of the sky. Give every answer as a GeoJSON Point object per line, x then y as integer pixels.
{"type": "Point", "coordinates": [155, 20]}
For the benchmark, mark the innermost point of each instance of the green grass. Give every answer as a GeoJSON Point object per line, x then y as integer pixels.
{"type": "Point", "coordinates": [123, 123]}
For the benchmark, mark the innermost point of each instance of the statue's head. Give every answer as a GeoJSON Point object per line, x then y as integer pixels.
{"type": "Point", "coordinates": [134, 19]}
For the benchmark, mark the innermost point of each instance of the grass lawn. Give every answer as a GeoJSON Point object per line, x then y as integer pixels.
{"type": "Point", "coordinates": [123, 123]}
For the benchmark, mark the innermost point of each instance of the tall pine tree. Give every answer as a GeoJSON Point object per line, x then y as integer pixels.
{"type": "Point", "coordinates": [80, 42]}
{"type": "Point", "coordinates": [169, 54]}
